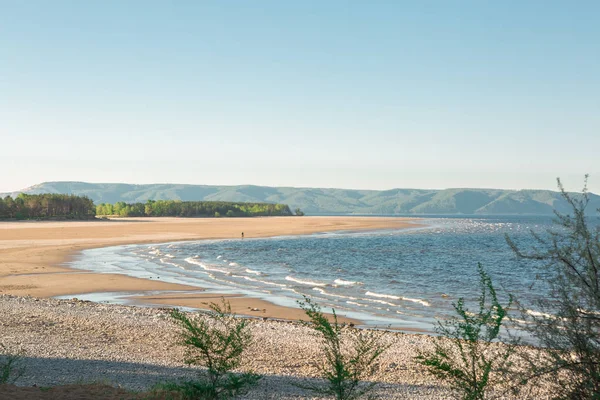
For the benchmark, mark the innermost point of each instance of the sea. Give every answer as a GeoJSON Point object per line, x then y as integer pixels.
{"type": "Point", "coordinates": [406, 279]}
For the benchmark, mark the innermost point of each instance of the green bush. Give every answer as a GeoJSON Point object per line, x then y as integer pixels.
{"type": "Point", "coordinates": [343, 370]}
{"type": "Point", "coordinates": [217, 341]}
{"type": "Point", "coordinates": [567, 326]}
{"type": "Point", "coordinates": [463, 355]}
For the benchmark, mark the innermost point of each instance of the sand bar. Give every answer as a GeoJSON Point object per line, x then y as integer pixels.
{"type": "Point", "coordinates": [32, 253]}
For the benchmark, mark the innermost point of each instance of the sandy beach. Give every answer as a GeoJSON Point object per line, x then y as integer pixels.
{"type": "Point", "coordinates": [33, 254]}
{"type": "Point", "coordinates": [66, 342]}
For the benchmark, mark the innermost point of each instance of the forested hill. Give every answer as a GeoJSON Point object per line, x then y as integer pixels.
{"type": "Point", "coordinates": [330, 201]}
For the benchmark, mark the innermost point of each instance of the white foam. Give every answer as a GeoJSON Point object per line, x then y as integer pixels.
{"type": "Point", "coordinates": [389, 296]}
{"type": "Point", "coordinates": [384, 302]}
{"type": "Point", "coordinates": [169, 255]}
{"type": "Point", "coordinates": [332, 294]}
{"type": "Point", "coordinates": [384, 296]}
{"type": "Point", "coordinates": [251, 271]}
{"type": "Point", "coordinates": [246, 278]}
{"type": "Point", "coordinates": [260, 281]}
{"type": "Point", "coordinates": [422, 302]}
{"type": "Point", "coordinates": [589, 312]}
{"type": "Point", "coordinates": [356, 304]}
{"type": "Point", "coordinates": [219, 257]}
{"type": "Point", "coordinates": [272, 283]}
{"type": "Point", "coordinates": [234, 264]}
{"type": "Point", "coordinates": [540, 314]}
{"type": "Point", "coordinates": [346, 283]}
{"type": "Point", "coordinates": [164, 261]}
{"type": "Point", "coordinates": [309, 283]}
{"type": "Point", "coordinates": [190, 260]}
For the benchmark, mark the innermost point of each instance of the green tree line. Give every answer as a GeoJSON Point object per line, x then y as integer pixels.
{"type": "Point", "coordinates": [177, 208]}
{"type": "Point", "coordinates": [41, 206]}
{"type": "Point", "coordinates": [44, 206]}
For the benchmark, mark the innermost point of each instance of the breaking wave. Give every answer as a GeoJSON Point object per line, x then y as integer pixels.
{"type": "Point", "coordinates": [342, 282]}
{"type": "Point", "coordinates": [308, 283]}
{"type": "Point", "coordinates": [191, 260]}
{"type": "Point", "coordinates": [389, 296]}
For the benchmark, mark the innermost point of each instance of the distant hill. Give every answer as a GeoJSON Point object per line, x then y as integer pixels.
{"type": "Point", "coordinates": [330, 201]}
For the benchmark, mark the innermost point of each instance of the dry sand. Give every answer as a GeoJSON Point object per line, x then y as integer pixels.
{"type": "Point", "coordinates": [33, 254]}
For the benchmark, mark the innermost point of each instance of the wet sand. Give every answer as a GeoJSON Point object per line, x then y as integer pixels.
{"type": "Point", "coordinates": [33, 254]}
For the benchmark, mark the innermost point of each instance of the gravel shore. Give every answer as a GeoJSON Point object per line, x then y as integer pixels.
{"type": "Point", "coordinates": [72, 341]}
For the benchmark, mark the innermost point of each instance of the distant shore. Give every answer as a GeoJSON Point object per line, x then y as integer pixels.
{"type": "Point", "coordinates": [33, 254]}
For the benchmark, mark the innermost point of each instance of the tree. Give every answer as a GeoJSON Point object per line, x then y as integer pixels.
{"type": "Point", "coordinates": [177, 208]}
{"type": "Point", "coordinates": [148, 208]}
{"type": "Point", "coordinates": [9, 205]}
{"type": "Point", "coordinates": [28, 206]}
{"type": "Point", "coordinates": [568, 324]}
{"type": "Point", "coordinates": [299, 212]}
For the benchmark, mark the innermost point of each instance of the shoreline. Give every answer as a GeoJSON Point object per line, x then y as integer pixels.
{"type": "Point", "coordinates": [33, 254]}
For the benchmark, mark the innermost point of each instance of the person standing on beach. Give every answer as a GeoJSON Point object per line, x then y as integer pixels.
{"type": "Point", "coordinates": [242, 235]}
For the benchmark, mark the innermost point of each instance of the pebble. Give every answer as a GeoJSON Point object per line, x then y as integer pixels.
{"type": "Point", "coordinates": [74, 341]}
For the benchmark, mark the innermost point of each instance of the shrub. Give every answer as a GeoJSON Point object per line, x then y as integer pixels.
{"type": "Point", "coordinates": [463, 354]}
{"type": "Point", "coordinates": [568, 324]}
{"type": "Point", "coordinates": [216, 341]}
{"type": "Point", "coordinates": [343, 370]}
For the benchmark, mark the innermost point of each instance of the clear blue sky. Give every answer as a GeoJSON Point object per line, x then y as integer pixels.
{"type": "Point", "coordinates": [357, 94]}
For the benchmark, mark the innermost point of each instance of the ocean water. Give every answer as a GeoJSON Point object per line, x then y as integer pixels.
{"type": "Point", "coordinates": [402, 279]}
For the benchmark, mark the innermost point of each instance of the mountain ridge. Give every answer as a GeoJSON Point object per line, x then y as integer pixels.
{"type": "Point", "coordinates": [398, 201]}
